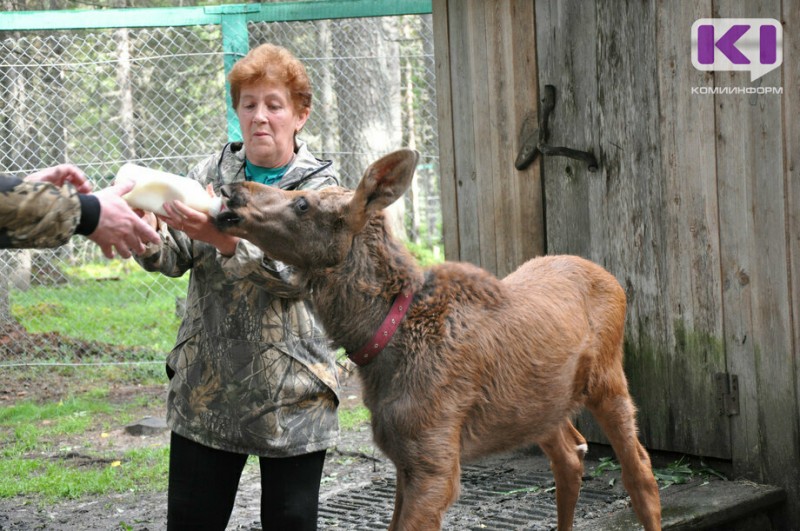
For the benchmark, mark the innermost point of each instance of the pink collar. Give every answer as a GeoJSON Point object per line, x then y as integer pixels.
{"type": "Point", "coordinates": [384, 334]}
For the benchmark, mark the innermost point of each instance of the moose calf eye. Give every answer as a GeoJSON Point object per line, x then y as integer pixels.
{"type": "Point", "coordinates": [301, 205]}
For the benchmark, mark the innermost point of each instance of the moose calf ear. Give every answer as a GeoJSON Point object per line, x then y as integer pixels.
{"type": "Point", "coordinates": [387, 179]}
{"type": "Point", "coordinates": [383, 183]}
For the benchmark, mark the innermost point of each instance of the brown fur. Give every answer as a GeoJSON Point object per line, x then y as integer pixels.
{"type": "Point", "coordinates": [479, 365]}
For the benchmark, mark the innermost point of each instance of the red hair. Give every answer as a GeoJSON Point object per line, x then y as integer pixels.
{"type": "Point", "coordinates": [269, 63]}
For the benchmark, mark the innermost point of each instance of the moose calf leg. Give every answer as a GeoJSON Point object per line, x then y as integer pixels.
{"type": "Point", "coordinates": [398, 501]}
{"type": "Point", "coordinates": [566, 449]}
{"type": "Point", "coordinates": [425, 496]}
{"type": "Point", "coordinates": [616, 416]}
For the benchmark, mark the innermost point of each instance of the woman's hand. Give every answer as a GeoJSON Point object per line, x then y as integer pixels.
{"type": "Point", "coordinates": [198, 226]}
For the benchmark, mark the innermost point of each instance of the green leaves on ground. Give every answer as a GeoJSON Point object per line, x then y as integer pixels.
{"type": "Point", "coordinates": [676, 473]}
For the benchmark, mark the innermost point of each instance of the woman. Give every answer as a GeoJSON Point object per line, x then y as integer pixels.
{"type": "Point", "coordinates": [251, 373]}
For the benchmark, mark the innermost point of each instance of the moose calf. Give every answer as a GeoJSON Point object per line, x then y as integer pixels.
{"type": "Point", "coordinates": [455, 364]}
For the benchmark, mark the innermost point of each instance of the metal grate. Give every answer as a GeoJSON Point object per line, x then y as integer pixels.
{"type": "Point", "coordinates": [492, 499]}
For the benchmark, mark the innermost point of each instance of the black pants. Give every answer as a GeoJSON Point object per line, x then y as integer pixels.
{"type": "Point", "coordinates": [203, 484]}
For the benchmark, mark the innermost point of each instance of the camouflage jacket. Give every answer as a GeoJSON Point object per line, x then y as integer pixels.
{"type": "Point", "coordinates": [251, 372]}
{"type": "Point", "coordinates": [37, 215]}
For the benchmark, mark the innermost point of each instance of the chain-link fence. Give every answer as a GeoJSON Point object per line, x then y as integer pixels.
{"type": "Point", "coordinates": [156, 97]}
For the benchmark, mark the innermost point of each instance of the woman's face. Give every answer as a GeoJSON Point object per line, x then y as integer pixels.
{"type": "Point", "coordinates": [268, 121]}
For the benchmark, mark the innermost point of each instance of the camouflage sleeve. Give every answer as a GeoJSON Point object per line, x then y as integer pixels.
{"type": "Point", "coordinates": [37, 215]}
{"type": "Point", "coordinates": [172, 257]}
{"type": "Point", "coordinates": [276, 277]}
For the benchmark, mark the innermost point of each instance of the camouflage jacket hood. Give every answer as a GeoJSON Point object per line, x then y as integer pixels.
{"type": "Point", "coordinates": [251, 371]}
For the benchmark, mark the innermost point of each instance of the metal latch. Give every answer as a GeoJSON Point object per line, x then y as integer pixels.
{"type": "Point", "coordinates": [533, 139]}
{"type": "Point", "coordinates": [727, 386]}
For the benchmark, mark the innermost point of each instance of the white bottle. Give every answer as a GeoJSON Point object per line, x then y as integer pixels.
{"type": "Point", "coordinates": [153, 188]}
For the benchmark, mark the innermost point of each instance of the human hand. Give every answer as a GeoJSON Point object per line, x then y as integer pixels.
{"type": "Point", "coordinates": [63, 173]}
{"type": "Point", "coordinates": [198, 226]}
{"type": "Point", "coordinates": [120, 227]}
{"type": "Point", "coordinates": [148, 217]}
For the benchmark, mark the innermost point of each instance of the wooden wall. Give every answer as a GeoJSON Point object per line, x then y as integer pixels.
{"type": "Point", "coordinates": [486, 84]}
{"type": "Point", "coordinates": [695, 208]}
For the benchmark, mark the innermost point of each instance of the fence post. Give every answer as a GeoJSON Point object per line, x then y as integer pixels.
{"type": "Point", "coordinates": [235, 45]}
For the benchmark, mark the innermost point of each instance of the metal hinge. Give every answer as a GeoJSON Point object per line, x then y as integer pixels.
{"type": "Point", "coordinates": [727, 386]}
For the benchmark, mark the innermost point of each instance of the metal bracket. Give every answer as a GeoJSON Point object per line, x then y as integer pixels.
{"type": "Point", "coordinates": [727, 386]}
{"type": "Point", "coordinates": [533, 140]}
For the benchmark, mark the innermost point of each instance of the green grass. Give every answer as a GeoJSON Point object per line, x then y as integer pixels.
{"type": "Point", "coordinates": [35, 460]}
{"type": "Point", "coordinates": [426, 256]}
{"type": "Point", "coordinates": [137, 470]}
{"type": "Point", "coordinates": [36, 457]}
{"type": "Point", "coordinates": [27, 411]}
{"type": "Point", "coordinates": [112, 311]}
{"type": "Point", "coordinates": [116, 303]}
{"type": "Point", "coordinates": [351, 419]}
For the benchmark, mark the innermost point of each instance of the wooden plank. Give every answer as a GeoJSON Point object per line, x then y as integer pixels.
{"type": "Point", "coordinates": [517, 212]}
{"type": "Point", "coordinates": [467, 191]}
{"type": "Point", "coordinates": [566, 46]}
{"type": "Point", "coordinates": [606, 80]}
{"type": "Point", "coordinates": [444, 115]}
{"type": "Point", "coordinates": [755, 277]}
{"type": "Point", "coordinates": [482, 98]}
{"type": "Point", "coordinates": [791, 150]}
{"type": "Point", "coordinates": [694, 336]}
{"type": "Point", "coordinates": [626, 201]}
{"type": "Point", "coordinates": [620, 217]}
{"type": "Point", "coordinates": [499, 131]}
{"type": "Point", "coordinates": [566, 55]}
{"type": "Point", "coordinates": [530, 236]}
{"type": "Point", "coordinates": [491, 75]}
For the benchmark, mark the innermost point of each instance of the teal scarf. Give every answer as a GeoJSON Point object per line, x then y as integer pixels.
{"type": "Point", "coordinates": [260, 174]}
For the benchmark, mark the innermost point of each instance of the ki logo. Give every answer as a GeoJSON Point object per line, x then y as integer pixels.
{"type": "Point", "coordinates": [754, 44]}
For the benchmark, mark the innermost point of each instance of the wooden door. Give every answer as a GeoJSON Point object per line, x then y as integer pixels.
{"type": "Point", "coordinates": [649, 215]}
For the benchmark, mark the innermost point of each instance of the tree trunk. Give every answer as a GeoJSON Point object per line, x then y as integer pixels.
{"type": "Point", "coordinates": [374, 88]}
{"type": "Point", "coordinates": [52, 146]}
{"type": "Point", "coordinates": [413, 195]}
{"type": "Point", "coordinates": [126, 112]}
{"type": "Point", "coordinates": [429, 142]}
{"type": "Point", "coordinates": [325, 104]}
{"type": "Point", "coordinates": [20, 158]}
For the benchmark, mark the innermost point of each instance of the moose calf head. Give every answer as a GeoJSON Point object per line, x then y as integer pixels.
{"type": "Point", "coordinates": [313, 228]}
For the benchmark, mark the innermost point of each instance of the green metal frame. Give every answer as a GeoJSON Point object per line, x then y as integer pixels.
{"type": "Point", "coordinates": [232, 18]}
{"type": "Point", "coordinates": [194, 16]}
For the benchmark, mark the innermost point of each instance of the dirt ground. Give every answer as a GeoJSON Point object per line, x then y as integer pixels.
{"type": "Point", "coordinates": [353, 469]}
{"type": "Point", "coordinates": [353, 462]}
{"type": "Point", "coordinates": [513, 491]}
